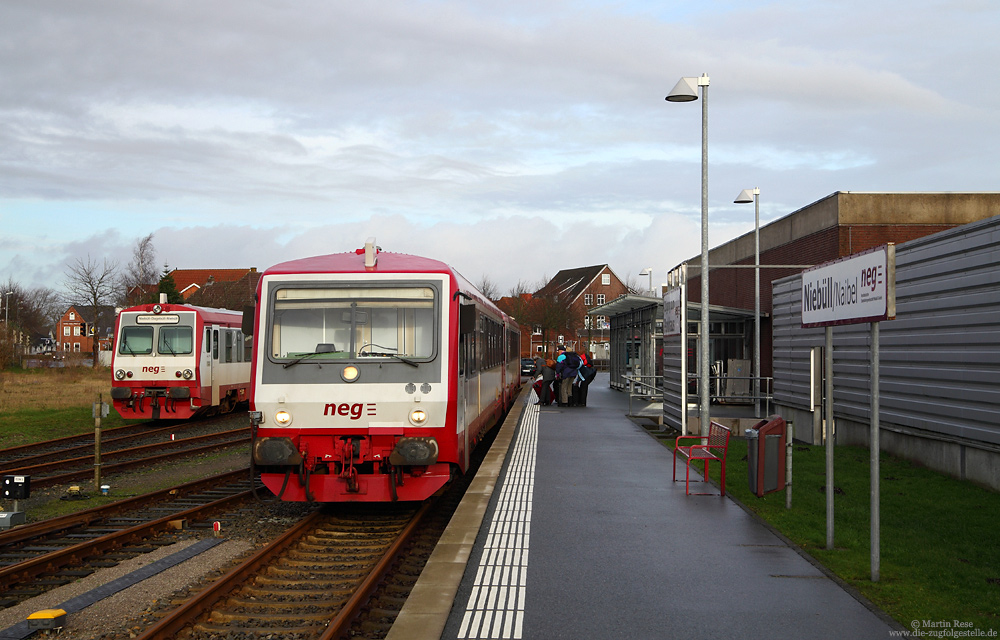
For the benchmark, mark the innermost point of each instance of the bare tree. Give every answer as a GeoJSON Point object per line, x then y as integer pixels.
{"type": "Point", "coordinates": [632, 283]}
{"type": "Point", "coordinates": [488, 288]}
{"type": "Point", "coordinates": [33, 311]}
{"type": "Point", "coordinates": [92, 284]}
{"type": "Point", "coordinates": [141, 270]}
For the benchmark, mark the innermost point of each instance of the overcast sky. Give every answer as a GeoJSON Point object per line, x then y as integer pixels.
{"type": "Point", "coordinates": [508, 138]}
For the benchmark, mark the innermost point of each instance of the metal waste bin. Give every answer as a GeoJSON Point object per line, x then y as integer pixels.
{"type": "Point", "coordinates": [765, 455]}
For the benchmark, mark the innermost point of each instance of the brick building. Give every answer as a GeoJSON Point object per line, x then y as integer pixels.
{"type": "Point", "coordinates": [556, 313]}
{"type": "Point", "coordinates": [836, 226]}
{"type": "Point", "coordinates": [79, 326]}
{"type": "Point", "coordinates": [191, 281]}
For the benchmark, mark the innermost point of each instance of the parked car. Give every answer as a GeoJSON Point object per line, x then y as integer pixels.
{"type": "Point", "coordinates": [528, 367]}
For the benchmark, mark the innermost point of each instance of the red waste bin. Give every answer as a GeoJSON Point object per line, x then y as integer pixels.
{"type": "Point", "coordinates": [766, 455]}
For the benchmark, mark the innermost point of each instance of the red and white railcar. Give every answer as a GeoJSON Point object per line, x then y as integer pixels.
{"type": "Point", "coordinates": [374, 376]}
{"type": "Point", "coordinates": [173, 361]}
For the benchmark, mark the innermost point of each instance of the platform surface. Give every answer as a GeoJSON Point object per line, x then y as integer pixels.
{"type": "Point", "coordinates": [586, 536]}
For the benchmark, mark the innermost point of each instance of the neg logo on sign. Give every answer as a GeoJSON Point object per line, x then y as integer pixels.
{"type": "Point", "coordinates": [859, 288]}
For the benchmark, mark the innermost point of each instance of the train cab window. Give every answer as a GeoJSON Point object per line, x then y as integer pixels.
{"type": "Point", "coordinates": [215, 344]}
{"type": "Point", "coordinates": [136, 341]}
{"type": "Point", "coordinates": [175, 341]}
{"type": "Point", "coordinates": [357, 322]}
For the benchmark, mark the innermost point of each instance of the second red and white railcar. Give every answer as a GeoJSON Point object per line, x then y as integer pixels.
{"type": "Point", "coordinates": [374, 376]}
{"type": "Point", "coordinates": [175, 361]}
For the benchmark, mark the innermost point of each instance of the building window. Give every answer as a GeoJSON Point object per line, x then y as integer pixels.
{"type": "Point", "coordinates": [536, 330]}
{"type": "Point", "coordinates": [602, 323]}
{"type": "Point", "coordinates": [605, 278]}
{"type": "Point", "coordinates": [76, 347]}
{"type": "Point", "coordinates": [77, 331]}
{"type": "Point", "coordinates": [539, 348]}
{"type": "Point", "coordinates": [72, 316]}
{"type": "Point", "coordinates": [600, 298]}
{"type": "Point", "coordinates": [588, 299]}
{"type": "Point", "coordinates": [586, 322]}
{"type": "Point", "coordinates": [65, 329]}
{"type": "Point", "coordinates": [65, 346]}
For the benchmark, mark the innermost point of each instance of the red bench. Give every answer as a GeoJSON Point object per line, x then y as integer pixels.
{"type": "Point", "coordinates": [708, 448]}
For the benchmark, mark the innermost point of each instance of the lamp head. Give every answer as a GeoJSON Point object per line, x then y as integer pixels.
{"type": "Point", "coordinates": [745, 196]}
{"type": "Point", "coordinates": [685, 90]}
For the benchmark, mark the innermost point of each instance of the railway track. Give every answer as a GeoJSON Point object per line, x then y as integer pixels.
{"type": "Point", "coordinates": [111, 439]}
{"type": "Point", "coordinates": [34, 448]}
{"type": "Point", "coordinates": [52, 552]}
{"type": "Point", "coordinates": [53, 472]}
{"type": "Point", "coordinates": [311, 582]}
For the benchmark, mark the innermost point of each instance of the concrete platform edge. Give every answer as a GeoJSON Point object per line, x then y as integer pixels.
{"type": "Point", "coordinates": [429, 604]}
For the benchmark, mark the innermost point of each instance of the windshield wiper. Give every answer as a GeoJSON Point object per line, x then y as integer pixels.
{"type": "Point", "coordinates": [381, 354]}
{"type": "Point", "coordinates": [375, 354]}
{"type": "Point", "coordinates": [303, 357]}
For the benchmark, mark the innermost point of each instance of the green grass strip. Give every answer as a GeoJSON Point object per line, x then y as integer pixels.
{"type": "Point", "coordinates": [940, 560]}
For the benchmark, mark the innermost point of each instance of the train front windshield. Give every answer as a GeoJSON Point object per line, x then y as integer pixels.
{"type": "Point", "coordinates": [354, 323]}
{"type": "Point", "coordinates": [169, 341]}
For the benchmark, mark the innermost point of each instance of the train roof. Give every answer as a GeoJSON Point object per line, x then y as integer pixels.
{"type": "Point", "coordinates": [386, 262]}
{"type": "Point", "coordinates": [354, 262]}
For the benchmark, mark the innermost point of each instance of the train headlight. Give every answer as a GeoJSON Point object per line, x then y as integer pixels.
{"type": "Point", "coordinates": [120, 374]}
{"type": "Point", "coordinates": [283, 418]}
{"type": "Point", "coordinates": [350, 373]}
{"type": "Point", "coordinates": [188, 374]}
{"type": "Point", "coordinates": [418, 417]}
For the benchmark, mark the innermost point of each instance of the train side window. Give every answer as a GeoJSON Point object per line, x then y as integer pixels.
{"type": "Point", "coordinates": [208, 340]}
{"type": "Point", "coordinates": [461, 356]}
{"type": "Point", "coordinates": [229, 346]}
{"type": "Point", "coordinates": [215, 344]}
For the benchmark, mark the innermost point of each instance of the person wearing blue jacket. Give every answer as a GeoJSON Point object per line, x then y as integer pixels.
{"type": "Point", "coordinates": [568, 365]}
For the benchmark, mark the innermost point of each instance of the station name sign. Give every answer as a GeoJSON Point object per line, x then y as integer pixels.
{"type": "Point", "coordinates": [858, 288]}
{"type": "Point", "coordinates": [672, 316]}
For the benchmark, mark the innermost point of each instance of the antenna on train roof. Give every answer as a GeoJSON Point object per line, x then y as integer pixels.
{"type": "Point", "coordinates": [371, 253]}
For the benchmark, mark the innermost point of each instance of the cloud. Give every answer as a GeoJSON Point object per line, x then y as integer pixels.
{"type": "Point", "coordinates": [510, 138]}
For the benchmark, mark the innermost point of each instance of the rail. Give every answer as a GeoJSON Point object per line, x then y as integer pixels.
{"type": "Point", "coordinates": [643, 387]}
{"type": "Point", "coordinates": [649, 388]}
{"type": "Point", "coordinates": [720, 392]}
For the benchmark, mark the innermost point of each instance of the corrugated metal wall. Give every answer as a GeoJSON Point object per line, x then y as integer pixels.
{"type": "Point", "coordinates": [940, 357]}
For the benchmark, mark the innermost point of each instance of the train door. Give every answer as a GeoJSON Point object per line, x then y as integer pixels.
{"type": "Point", "coordinates": [466, 374]}
{"type": "Point", "coordinates": [205, 369]}
{"type": "Point", "coordinates": [215, 366]}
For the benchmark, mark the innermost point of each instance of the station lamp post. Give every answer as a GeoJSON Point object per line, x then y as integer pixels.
{"type": "Point", "coordinates": [686, 90]}
{"type": "Point", "coordinates": [648, 271]}
{"type": "Point", "coordinates": [747, 196]}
